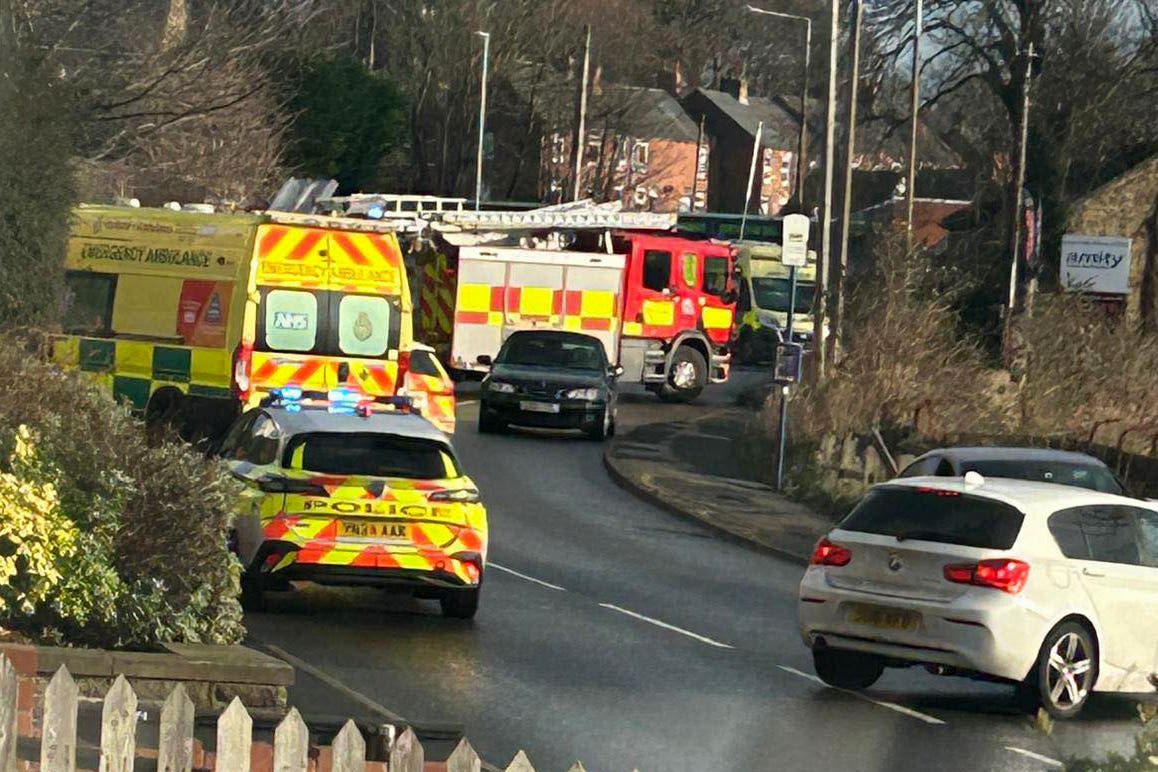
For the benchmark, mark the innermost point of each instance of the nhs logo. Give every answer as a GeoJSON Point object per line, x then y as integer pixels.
{"type": "Point", "coordinates": [287, 320]}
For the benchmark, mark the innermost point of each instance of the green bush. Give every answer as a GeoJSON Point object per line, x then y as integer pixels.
{"type": "Point", "coordinates": [130, 539]}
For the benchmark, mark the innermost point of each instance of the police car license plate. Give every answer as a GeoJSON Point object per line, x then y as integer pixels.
{"type": "Point", "coordinates": [539, 407]}
{"type": "Point", "coordinates": [885, 618]}
{"type": "Point", "coordinates": [370, 529]}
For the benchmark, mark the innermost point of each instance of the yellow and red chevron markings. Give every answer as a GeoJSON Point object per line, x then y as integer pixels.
{"type": "Point", "coordinates": [429, 534]}
{"type": "Point", "coordinates": [311, 258]}
{"type": "Point", "coordinates": [575, 309]}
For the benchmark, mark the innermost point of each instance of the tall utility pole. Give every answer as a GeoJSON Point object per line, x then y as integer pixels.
{"type": "Point", "coordinates": [802, 141]}
{"type": "Point", "coordinates": [849, 155]}
{"type": "Point", "coordinates": [482, 119]}
{"type": "Point", "coordinates": [1018, 212]}
{"type": "Point", "coordinates": [820, 318]}
{"type": "Point", "coordinates": [581, 129]}
{"type": "Point", "coordinates": [911, 190]}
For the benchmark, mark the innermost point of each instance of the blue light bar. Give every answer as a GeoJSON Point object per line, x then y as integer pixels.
{"type": "Point", "coordinates": [288, 393]}
{"type": "Point", "coordinates": [345, 396]}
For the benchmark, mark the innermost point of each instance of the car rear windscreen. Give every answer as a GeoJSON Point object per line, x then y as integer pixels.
{"type": "Point", "coordinates": [370, 455]}
{"type": "Point", "coordinates": [932, 514]}
{"type": "Point", "coordinates": [1095, 478]}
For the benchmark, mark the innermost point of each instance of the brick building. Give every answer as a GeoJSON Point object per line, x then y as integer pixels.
{"type": "Point", "coordinates": [640, 150]}
{"type": "Point", "coordinates": [731, 118]}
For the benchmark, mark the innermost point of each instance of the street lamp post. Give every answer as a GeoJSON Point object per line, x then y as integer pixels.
{"type": "Point", "coordinates": [802, 142]}
{"type": "Point", "coordinates": [911, 191]}
{"type": "Point", "coordinates": [482, 118]}
{"type": "Point", "coordinates": [819, 328]}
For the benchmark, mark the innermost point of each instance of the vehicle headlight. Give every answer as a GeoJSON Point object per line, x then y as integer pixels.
{"type": "Point", "coordinates": [585, 394]}
{"type": "Point", "coordinates": [502, 388]}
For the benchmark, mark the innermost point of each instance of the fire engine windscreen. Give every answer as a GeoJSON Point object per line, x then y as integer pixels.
{"type": "Point", "coordinates": [371, 455]}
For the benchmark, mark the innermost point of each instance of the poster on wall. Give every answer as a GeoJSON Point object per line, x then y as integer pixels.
{"type": "Point", "coordinates": [1096, 264]}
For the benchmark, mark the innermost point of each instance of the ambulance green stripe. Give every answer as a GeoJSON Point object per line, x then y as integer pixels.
{"type": "Point", "coordinates": [171, 364]}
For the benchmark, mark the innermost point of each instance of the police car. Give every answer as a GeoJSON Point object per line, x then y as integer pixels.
{"type": "Point", "coordinates": [344, 489]}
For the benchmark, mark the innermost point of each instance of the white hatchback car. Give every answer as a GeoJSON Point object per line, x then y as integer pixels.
{"type": "Point", "coordinates": [1049, 587]}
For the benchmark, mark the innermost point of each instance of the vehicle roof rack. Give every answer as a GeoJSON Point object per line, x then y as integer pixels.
{"type": "Point", "coordinates": [391, 205]}
{"type": "Point", "coordinates": [571, 218]}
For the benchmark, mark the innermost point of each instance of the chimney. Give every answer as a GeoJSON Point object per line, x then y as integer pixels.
{"type": "Point", "coordinates": [672, 80]}
{"type": "Point", "coordinates": [736, 87]}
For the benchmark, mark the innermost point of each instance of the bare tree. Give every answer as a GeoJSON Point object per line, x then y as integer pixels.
{"type": "Point", "coordinates": [175, 96]}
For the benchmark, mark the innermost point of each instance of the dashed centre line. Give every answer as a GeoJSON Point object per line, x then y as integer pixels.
{"type": "Point", "coordinates": [513, 572]}
{"type": "Point", "coordinates": [620, 609]}
{"type": "Point", "coordinates": [666, 626]}
{"type": "Point", "coordinates": [890, 705]}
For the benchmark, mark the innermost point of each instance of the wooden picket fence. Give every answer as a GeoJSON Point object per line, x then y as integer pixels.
{"type": "Point", "coordinates": [175, 753]}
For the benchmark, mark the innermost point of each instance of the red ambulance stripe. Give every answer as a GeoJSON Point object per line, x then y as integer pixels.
{"type": "Point", "coordinates": [514, 298]}
{"type": "Point", "coordinates": [382, 378]}
{"type": "Point", "coordinates": [271, 239]}
{"type": "Point", "coordinates": [471, 317]}
{"type": "Point", "coordinates": [305, 245]}
{"type": "Point", "coordinates": [350, 249]}
{"type": "Point", "coordinates": [497, 298]}
{"type": "Point", "coordinates": [267, 370]}
{"type": "Point", "coordinates": [305, 372]}
{"type": "Point", "coordinates": [589, 323]}
{"type": "Point", "coordinates": [385, 249]}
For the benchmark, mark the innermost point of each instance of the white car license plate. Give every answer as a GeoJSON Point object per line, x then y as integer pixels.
{"type": "Point", "coordinates": [539, 407]}
{"type": "Point", "coordinates": [886, 618]}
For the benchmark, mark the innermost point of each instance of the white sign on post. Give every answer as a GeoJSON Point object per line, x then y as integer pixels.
{"type": "Point", "coordinates": [1098, 264]}
{"type": "Point", "coordinates": [794, 241]}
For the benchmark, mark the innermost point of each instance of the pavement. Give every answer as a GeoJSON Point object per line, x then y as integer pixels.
{"type": "Point", "coordinates": [614, 631]}
{"type": "Point", "coordinates": [690, 468]}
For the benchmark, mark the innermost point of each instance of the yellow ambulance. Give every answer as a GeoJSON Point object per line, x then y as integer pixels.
{"type": "Point", "coordinates": [191, 316]}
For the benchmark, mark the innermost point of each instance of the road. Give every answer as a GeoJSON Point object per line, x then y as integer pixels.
{"type": "Point", "coordinates": [619, 634]}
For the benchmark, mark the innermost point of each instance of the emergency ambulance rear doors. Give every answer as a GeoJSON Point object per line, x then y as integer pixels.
{"type": "Point", "coordinates": [501, 290]}
{"type": "Point", "coordinates": [331, 309]}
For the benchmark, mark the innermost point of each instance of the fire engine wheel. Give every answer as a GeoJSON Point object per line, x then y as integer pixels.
{"type": "Point", "coordinates": [687, 376]}
{"type": "Point", "coordinates": [460, 604]}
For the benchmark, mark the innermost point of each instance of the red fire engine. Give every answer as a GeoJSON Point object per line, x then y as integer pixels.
{"type": "Point", "coordinates": [662, 303]}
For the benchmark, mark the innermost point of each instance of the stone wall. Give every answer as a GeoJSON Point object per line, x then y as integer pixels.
{"type": "Point", "coordinates": [1128, 207]}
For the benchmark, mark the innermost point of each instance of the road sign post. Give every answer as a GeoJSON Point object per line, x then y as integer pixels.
{"type": "Point", "coordinates": [794, 254]}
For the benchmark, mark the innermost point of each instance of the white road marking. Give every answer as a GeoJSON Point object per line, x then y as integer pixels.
{"type": "Point", "coordinates": [513, 572]}
{"type": "Point", "coordinates": [666, 626]}
{"type": "Point", "coordinates": [333, 683]}
{"type": "Point", "coordinates": [890, 705]}
{"type": "Point", "coordinates": [1036, 756]}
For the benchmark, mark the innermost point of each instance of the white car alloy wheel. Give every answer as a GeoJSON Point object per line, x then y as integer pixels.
{"type": "Point", "coordinates": [683, 375]}
{"type": "Point", "coordinates": [1068, 671]}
